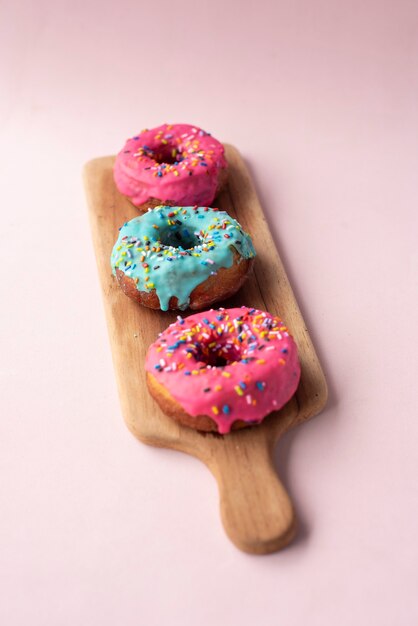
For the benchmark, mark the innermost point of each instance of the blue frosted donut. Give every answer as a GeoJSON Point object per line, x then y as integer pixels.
{"type": "Point", "coordinates": [179, 257]}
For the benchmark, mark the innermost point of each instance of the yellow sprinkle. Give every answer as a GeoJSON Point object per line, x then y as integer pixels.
{"type": "Point", "coordinates": [239, 390]}
{"type": "Point", "coordinates": [150, 285]}
{"type": "Point", "coordinates": [189, 355]}
{"type": "Point", "coordinates": [218, 387]}
{"type": "Point", "coordinates": [215, 410]}
{"type": "Point", "coordinates": [226, 374]}
{"type": "Point", "coordinates": [175, 172]}
{"type": "Point", "coordinates": [260, 361]}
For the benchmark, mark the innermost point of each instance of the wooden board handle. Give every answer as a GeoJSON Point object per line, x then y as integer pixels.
{"type": "Point", "coordinates": [256, 511]}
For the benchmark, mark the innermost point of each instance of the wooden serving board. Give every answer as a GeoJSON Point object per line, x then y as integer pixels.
{"type": "Point", "coordinates": [256, 511]}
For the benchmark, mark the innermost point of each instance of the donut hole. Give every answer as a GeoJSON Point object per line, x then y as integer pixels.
{"type": "Point", "coordinates": [217, 360]}
{"type": "Point", "coordinates": [219, 355]}
{"type": "Point", "coordinates": [179, 236]}
{"type": "Point", "coordinates": [167, 155]}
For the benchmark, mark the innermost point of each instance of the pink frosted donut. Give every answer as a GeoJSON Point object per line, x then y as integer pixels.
{"type": "Point", "coordinates": [223, 368]}
{"type": "Point", "coordinates": [174, 164]}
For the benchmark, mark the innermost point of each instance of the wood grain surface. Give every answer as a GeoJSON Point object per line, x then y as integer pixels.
{"type": "Point", "coordinates": [256, 511]}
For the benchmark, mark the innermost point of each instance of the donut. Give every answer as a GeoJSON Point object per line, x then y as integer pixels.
{"type": "Point", "coordinates": [179, 257]}
{"type": "Point", "coordinates": [223, 369]}
{"type": "Point", "coordinates": [175, 164]}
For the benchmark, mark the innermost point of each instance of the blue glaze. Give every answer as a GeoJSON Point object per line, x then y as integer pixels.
{"type": "Point", "coordinates": [174, 249]}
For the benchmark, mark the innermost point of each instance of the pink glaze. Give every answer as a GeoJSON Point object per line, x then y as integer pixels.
{"type": "Point", "coordinates": [174, 163]}
{"type": "Point", "coordinates": [261, 373]}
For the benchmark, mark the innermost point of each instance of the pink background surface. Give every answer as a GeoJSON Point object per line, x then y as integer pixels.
{"type": "Point", "coordinates": [321, 99]}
